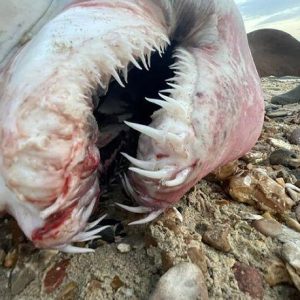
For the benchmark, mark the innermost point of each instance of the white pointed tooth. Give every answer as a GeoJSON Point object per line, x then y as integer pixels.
{"type": "Point", "coordinates": [164, 104]}
{"type": "Point", "coordinates": [156, 134]}
{"type": "Point", "coordinates": [137, 210]}
{"type": "Point", "coordinates": [94, 223]}
{"type": "Point", "coordinates": [73, 249]}
{"type": "Point", "coordinates": [160, 174]}
{"type": "Point", "coordinates": [134, 61]}
{"type": "Point", "coordinates": [144, 62]}
{"type": "Point", "coordinates": [125, 73]}
{"type": "Point", "coordinates": [148, 165]}
{"type": "Point", "coordinates": [166, 91]}
{"type": "Point", "coordinates": [152, 216]}
{"type": "Point", "coordinates": [174, 85]}
{"type": "Point", "coordinates": [174, 103]}
{"type": "Point", "coordinates": [128, 188]}
{"type": "Point", "coordinates": [180, 178]}
{"type": "Point", "coordinates": [88, 210]}
{"type": "Point", "coordinates": [165, 39]}
{"type": "Point", "coordinates": [116, 76]}
{"type": "Point", "coordinates": [178, 214]}
{"type": "Point", "coordinates": [89, 238]}
{"type": "Point", "coordinates": [84, 235]}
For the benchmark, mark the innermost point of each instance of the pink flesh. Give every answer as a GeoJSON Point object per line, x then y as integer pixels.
{"type": "Point", "coordinates": [226, 115]}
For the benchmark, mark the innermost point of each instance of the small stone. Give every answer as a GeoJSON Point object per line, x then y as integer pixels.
{"type": "Point", "coordinates": [294, 137]}
{"type": "Point", "coordinates": [291, 254]}
{"type": "Point", "coordinates": [256, 188]}
{"type": "Point", "coordinates": [93, 290]}
{"type": "Point", "coordinates": [184, 281]}
{"type": "Point", "coordinates": [292, 96]}
{"type": "Point", "coordinates": [2, 256]}
{"type": "Point", "coordinates": [294, 276]}
{"type": "Point", "coordinates": [10, 259]}
{"type": "Point", "coordinates": [21, 279]}
{"type": "Point", "coordinates": [116, 283]}
{"type": "Point", "coordinates": [278, 113]}
{"type": "Point", "coordinates": [249, 280]}
{"type": "Point", "coordinates": [224, 172]}
{"type": "Point", "coordinates": [198, 258]}
{"type": "Point", "coordinates": [217, 237]}
{"type": "Point", "coordinates": [276, 273]}
{"type": "Point", "coordinates": [270, 228]}
{"type": "Point", "coordinates": [124, 248]}
{"type": "Point", "coordinates": [280, 144]}
{"type": "Point", "coordinates": [285, 158]}
{"type": "Point", "coordinates": [55, 276]}
{"type": "Point", "coordinates": [69, 292]}
{"type": "Point", "coordinates": [167, 261]}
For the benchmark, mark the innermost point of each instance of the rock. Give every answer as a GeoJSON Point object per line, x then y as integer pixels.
{"type": "Point", "coordinates": [184, 281]}
{"type": "Point", "coordinates": [280, 144]}
{"type": "Point", "coordinates": [291, 254]}
{"type": "Point", "coordinates": [284, 157]}
{"type": "Point", "coordinates": [275, 52]}
{"type": "Point", "coordinates": [294, 275]}
{"type": "Point", "coordinates": [294, 137]}
{"type": "Point", "coordinates": [292, 96]}
{"type": "Point", "coordinates": [217, 237]}
{"type": "Point", "coordinates": [256, 188]}
{"type": "Point", "coordinates": [20, 279]}
{"type": "Point", "coordinates": [270, 228]}
{"type": "Point", "coordinates": [123, 248]}
{"type": "Point", "coordinates": [69, 292]}
{"type": "Point", "coordinates": [55, 276]}
{"type": "Point", "coordinates": [198, 258]}
{"type": "Point", "coordinates": [10, 259]}
{"type": "Point", "coordinates": [116, 283]}
{"type": "Point", "coordinates": [249, 280]}
{"type": "Point", "coordinates": [276, 273]}
{"type": "Point", "coordinates": [224, 172]}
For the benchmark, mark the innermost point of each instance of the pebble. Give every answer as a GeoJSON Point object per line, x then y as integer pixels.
{"type": "Point", "coordinates": [294, 137]}
{"type": "Point", "coordinates": [285, 158]}
{"type": "Point", "coordinates": [291, 254]}
{"type": "Point", "coordinates": [280, 144]}
{"type": "Point", "coordinates": [20, 279]}
{"type": "Point", "coordinates": [10, 259]}
{"type": "Point", "coordinates": [55, 276]}
{"type": "Point", "coordinates": [292, 96]}
{"type": "Point", "coordinates": [184, 281]}
{"type": "Point", "coordinates": [258, 189]}
{"type": "Point", "coordinates": [294, 276]}
{"type": "Point", "coordinates": [276, 273]}
{"type": "Point", "coordinates": [124, 248]}
{"type": "Point", "coordinates": [249, 280]}
{"type": "Point", "coordinates": [217, 237]}
{"type": "Point", "coordinates": [270, 228]}
{"type": "Point", "coordinates": [197, 257]}
{"type": "Point", "coordinates": [69, 292]}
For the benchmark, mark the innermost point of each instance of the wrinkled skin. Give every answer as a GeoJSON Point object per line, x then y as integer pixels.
{"type": "Point", "coordinates": [213, 111]}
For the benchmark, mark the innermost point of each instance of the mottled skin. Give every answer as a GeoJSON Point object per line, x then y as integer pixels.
{"type": "Point", "coordinates": [48, 157]}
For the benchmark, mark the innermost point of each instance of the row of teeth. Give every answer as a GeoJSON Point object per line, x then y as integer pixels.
{"type": "Point", "coordinates": [173, 107]}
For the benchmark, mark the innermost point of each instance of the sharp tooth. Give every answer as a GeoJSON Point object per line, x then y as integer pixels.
{"type": "Point", "coordinates": [164, 104]}
{"type": "Point", "coordinates": [117, 77]}
{"type": "Point", "coordinates": [160, 174]}
{"type": "Point", "coordinates": [73, 249]}
{"type": "Point", "coordinates": [125, 73]}
{"type": "Point", "coordinates": [156, 134]}
{"type": "Point", "coordinates": [148, 165]}
{"type": "Point", "coordinates": [152, 216]}
{"type": "Point", "coordinates": [137, 209]}
{"type": "Point", "coordinates": [94, 223]}
{"type": "Point", "coordinates": [144, 62]}
{"type": "Point", "coordinates": [134, 61]}
{"type": "Point", "coordinates": [174, 86]}
{"type": "Point", "coordinates": [180, 178]}
{"type": "Point", "coordinates": [167, 91]}
{"type": "Point", "coordinates": [174, 103]}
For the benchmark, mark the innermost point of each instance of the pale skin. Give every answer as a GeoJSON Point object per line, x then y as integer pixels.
{"type": "Point", "coordinates": [211, 114]}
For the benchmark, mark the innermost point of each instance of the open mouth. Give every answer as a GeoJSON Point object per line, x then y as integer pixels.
{"type": "Point", "coordinates": [129, 103]}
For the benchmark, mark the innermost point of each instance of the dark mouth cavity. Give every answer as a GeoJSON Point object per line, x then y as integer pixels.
{"type": "Point", "coordinates": [128, 104]}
